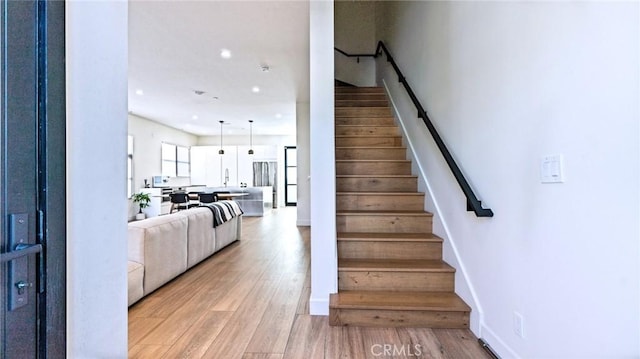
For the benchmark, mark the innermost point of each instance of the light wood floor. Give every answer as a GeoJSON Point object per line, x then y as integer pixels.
{"type": "Point", "coordinates": [251, 301]}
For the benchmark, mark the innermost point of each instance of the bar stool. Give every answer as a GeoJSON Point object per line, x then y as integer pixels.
{"type": "Point", "coordinates": [215, 194]}
{"type": "Point", "coordinates": [206, 197]}
{"type": "Point", "coordinates": [180, 201]}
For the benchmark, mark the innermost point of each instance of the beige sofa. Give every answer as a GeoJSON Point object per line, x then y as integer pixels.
{"type": "Point", "coordinates": [163, 247]}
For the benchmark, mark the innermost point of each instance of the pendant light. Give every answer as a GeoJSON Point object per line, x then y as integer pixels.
{"type": "Point", "coordinates": [250, 137]}
{"type": "Point", "coordinates": [221, 152]}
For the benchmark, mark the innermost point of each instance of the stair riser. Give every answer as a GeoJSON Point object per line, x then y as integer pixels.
{"type": "Point", "coordinates": [366, 131]}
{"type": "Point", "coordinates": [359, 90]}
{"type": "Point", "coordinates": [383, 224]}
{"type": "Point", "coordinates": [396, 281]}
{"type": "Point", "coordinates": [360, 97]}
{"type": "Point", "coordinates": [373, 168]}
{"type": "Point", "coordinates": [393, 153]}
{"type": "Point", "coordinates": [368, 141]}
{"type": "Point", "coordinates": [365, 121]}
{"type": "Point", "coordinates": [362, 112]}
{"type": "Point", "coordinates": [389, 250]}
{"type": "Point", "coordinates": [373, 184]}
{"type": "Point", "coordinates": [379, 203]}
{"type": "Point", "coordinates": [396, 318]}
{"type": "Point", "coordinates": [361, 103]}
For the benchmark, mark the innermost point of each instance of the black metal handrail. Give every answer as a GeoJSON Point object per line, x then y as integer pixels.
{"type": "Point", "coordinates": [473, 203]}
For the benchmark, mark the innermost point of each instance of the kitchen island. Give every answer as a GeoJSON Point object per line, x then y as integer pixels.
{"type": "Point", "coordinates": [255, 201]}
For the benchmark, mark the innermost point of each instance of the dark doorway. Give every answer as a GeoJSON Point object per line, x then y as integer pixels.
{"type": "Point", "coordinates": [291, 175]}
{"type": "Point", "coordinates": [32, 180]}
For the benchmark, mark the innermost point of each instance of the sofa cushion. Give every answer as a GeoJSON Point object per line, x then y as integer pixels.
{"type": "Point", "coordinates": [228, 232]}
{"type": "Point", "coordinates": [160, 244]}
{"type": "Point", "coordinates": [135, 277]}
{"type": "Point", "coordinates": [200, 235]}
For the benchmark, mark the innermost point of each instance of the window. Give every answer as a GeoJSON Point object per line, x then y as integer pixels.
{"type": "Point", "coordinates": [129, 166]}
{"type": "Point", "coordinates": [175, 160]}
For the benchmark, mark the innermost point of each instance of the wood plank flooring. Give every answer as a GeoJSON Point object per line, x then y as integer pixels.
{"type": "Point", "coordinates": [251, 301]}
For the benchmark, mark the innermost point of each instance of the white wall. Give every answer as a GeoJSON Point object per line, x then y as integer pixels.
{"type": "Point", "coordinates": [96, 55]}
{"type": "Point", "coordinates": [507, 83]}
{"type": "Point", "coordinates": [322, 158]}
{"type": "Point", "coordinates": [148, 137]}
{"type": "Point", "coordinates": [355, 34]}
{"type": "Point", "coordinates": [304, 181]}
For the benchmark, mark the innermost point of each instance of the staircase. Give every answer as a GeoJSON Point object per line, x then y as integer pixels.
{"type": "Point", "coordinates": [390, 268]}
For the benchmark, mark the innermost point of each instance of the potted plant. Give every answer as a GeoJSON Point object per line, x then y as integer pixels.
{"type": "Point", "coordinates": [142, 199]}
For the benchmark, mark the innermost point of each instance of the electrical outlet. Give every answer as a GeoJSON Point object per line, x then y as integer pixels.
{"type": "Point", "coordinates": [518, 324]}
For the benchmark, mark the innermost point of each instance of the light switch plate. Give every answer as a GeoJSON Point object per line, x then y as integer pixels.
{"type": "Point", "coordinates": [552, 169]}
{"type": "Point", "coordinates": [518, 324]}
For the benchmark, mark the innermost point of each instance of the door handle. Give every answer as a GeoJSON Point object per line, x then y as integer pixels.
{"type": "Point", "coordinates": [18, 272]}
{"type": "Point", "coordinates": [17, 262]}
{"type": "Point", "coordinates": [20, 250]}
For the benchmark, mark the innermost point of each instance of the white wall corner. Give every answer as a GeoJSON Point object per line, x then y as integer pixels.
{"type": "Point", "coordinates": [464, 284]}
{"type": "Point", "coordinates": [303, 207]}
{"type": "Point", "coordinates": [324, 264]}
{"type": "Point", "coordinates": [96, 104]}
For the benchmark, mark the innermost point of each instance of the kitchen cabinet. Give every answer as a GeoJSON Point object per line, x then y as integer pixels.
{"type": "Point", "coordinates": [202, 164]}
{"type": "Point", "coordinates": [208, 167]}
{"type": "Point", "coordinates": [229, 166]}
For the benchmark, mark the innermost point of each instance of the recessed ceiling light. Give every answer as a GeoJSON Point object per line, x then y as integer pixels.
{"type": "Point", "coordinates": [194, 117]}
{"type": "Point", "coordinates": [225, 54]}
{"type": "Point", "coordinates": [278, 115]}
{"type": "Point", "coordinates": [255, 89]}
{"type": "Point", "coordinates": [139, 92]}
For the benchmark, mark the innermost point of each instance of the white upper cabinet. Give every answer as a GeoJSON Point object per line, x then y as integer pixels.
{"type": "Point", "coordinates": [208, 167]}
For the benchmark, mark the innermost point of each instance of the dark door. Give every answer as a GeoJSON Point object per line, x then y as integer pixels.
{"type": "Point", "coordinates": [291, 175]}
{"type": "Point", "coordinates": [32, 180]}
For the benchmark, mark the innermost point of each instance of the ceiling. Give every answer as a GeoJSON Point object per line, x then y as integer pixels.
{"type": "Point", "coordinates": [175, 50]}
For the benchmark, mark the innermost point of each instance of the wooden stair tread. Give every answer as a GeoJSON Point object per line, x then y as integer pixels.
{"type": "Point", "coordinates": [359, 88]}
{"type": "Point", "coordinates": [366, 125]}
{"type": "Point", "coordinates": [377, 107]}
{"type": "Point", "coordinates": [380, 193]}
{"type": "Point", "coordinates": [376, 176]}
{"type": "Point", "coordinates": [370, 147]}
{"type": "Point", "coordinates": [388, 237]}
{"type": "Point", "coordinates": [384, 213]}
{"type": "Point", "coordinates": [364, 116]}
{"type": "Point", "coordinates": [393, 265]}
{"type": "Point", "coordinates": [431, 301]}
{"type": "Point", "coordinates": [368, 136]}
{"type": "Point", "coordinates": [373, 161]}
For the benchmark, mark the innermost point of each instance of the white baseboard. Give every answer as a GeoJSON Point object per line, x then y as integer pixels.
{"type": "Point", "coordinates": [303, 223]}
{"type": "Point", "coordinates": [498, 346]}
{"type": "Point", "coordinates": [318, 306]}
